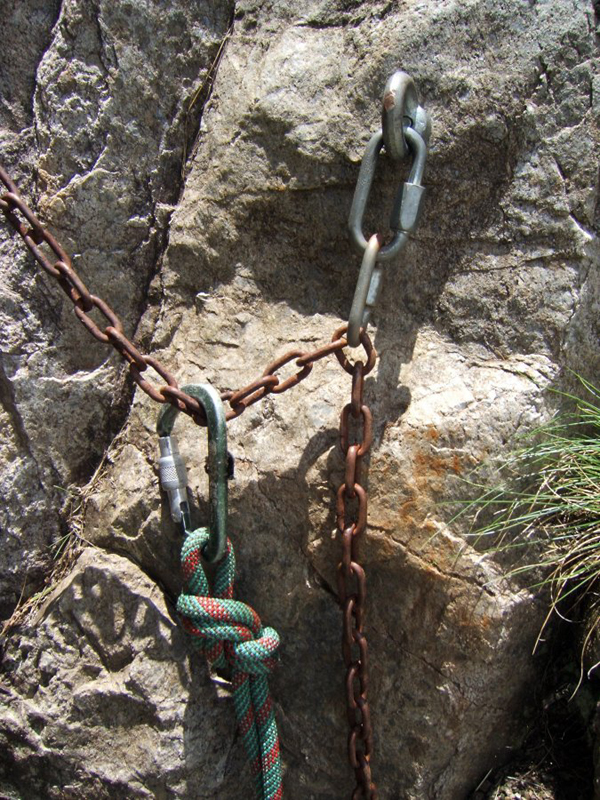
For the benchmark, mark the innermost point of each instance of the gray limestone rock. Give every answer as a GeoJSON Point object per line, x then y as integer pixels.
{"type": "Point", "coordinates": [96, 116]}
{"type": "Point", "coordinates": [496, 294]}
{"type": "Point", "coordinates": [105, 700]}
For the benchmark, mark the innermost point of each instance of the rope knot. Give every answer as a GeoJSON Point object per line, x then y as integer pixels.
{"type": "Point", "coordinates": [227, 630]}
{"type": "Point", "coordinates": [257, 656]}
{"type": "Point", "coordinates": [230, 632]}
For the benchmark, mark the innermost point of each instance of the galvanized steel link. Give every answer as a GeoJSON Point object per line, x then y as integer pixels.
{"type": "Point", "coordinates": [405, 213]}
{"type": "Point", "coordinates": [405, 130]}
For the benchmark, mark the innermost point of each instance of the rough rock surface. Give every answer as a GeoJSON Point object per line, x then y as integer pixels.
{"type": "Point", "coordinates": [497, 293]}
{"type": "Point", "coordinates": [93, 116]}
{"type": "Point", "coordinates": [105, 673]}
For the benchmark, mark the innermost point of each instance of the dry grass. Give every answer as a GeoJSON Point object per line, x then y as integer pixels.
{"type": "Point", "coordinates": [545, 512]}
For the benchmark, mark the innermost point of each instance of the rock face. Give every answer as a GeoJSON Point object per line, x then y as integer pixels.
{"type": "Point", "coordinates": [95, 122]}
{"type": "Point", "coordinates": [496, 294]}
{"type": "Point", "coordinates": [105, 672]}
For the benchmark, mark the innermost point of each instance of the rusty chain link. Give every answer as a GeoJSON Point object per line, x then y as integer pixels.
{"type": "Point", "coordinates": [351, 499]}
{"type": "Point", "coordinates": [351, 512]}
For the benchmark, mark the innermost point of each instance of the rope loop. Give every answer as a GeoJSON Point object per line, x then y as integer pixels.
{"type": "Point", "coordinates": [229, 632]}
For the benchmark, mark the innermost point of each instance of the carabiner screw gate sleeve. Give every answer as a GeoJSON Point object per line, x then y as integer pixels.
{"type": "Point", "coordinates": [173, 476]}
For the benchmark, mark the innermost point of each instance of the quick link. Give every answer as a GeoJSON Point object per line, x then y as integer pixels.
{"type": "Point", "coordinates": [405, 130]}
{"type": "Point", "coordinates": [367, 290]}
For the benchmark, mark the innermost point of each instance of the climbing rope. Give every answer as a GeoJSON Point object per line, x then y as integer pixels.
{"type": "Point", "coordinates": [231, 634]}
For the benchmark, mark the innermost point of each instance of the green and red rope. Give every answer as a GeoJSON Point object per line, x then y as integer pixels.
{"type": "Point", "coordinates": [230, 633]}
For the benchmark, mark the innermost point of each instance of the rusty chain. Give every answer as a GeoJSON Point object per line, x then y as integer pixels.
{"type": "Point", "coordinates": [351, 500]}
{"type": "Point", "coordinates": [351, 512]}
{"type": "Point", "coordinates": [34, 234]}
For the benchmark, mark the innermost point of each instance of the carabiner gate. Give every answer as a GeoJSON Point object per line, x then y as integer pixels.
{"type": "Point", "coordinates": [173, 476]}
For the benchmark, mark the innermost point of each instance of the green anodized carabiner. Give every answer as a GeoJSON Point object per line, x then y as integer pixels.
{"type": "Point", "coordinates": [173, 477]}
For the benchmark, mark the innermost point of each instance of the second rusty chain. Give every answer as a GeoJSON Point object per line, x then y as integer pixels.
{"type": "Point", "coordinates": [351, 513]}
{"type": "Point", "coordinates": [34, 235]}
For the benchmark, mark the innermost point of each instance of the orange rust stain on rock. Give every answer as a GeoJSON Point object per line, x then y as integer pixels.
{"type": "Point", "coordinates": [471, 627]}
{"type": "Point", "coordinates": [456, 464]}
{"type": "Point", "coordinates": [431, 464]}
{"type": "Point", "coordinates": [414, 515]}
{"type": "Point", "coordinates": [432, 433]}
{"type": "Point", "coordinates": [428, 465]}
{"type": "Point", "coordinates": [485, 621]}
{"type": "Point", "coordinates": [429, 473]}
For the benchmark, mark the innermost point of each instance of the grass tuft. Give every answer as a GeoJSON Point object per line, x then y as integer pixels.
{"type": "Point", "coordinates": [546, 510]}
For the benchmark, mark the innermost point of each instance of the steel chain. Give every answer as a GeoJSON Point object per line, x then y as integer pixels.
{"type": "Point", "coordinates": [351, 522]}
{"type": "Point", "coordinates": [351, 512]}
{"type": "Point", "coordinates": [34, 234]}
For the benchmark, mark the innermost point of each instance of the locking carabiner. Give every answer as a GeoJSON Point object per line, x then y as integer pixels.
{"type": "Point", "coordinates": [406, 127]}
{"type": "Point", "coordinates": [173, 476]}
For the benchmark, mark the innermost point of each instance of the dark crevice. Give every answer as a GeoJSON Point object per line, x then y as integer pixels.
{"type": "Point", "coordinates": [190, 134]}
{"type": "Point", "coordinates": [201, 99]}
{"type": "Point", "coordinates": [556, 758]}
{"type": "Point", "coordinates": [348, 14]}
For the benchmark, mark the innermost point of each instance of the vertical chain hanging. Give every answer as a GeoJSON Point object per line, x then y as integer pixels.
{"type": "Point", "coordinates": [405, 131]}
{"type": "Point", "coordinates": [351, 512]}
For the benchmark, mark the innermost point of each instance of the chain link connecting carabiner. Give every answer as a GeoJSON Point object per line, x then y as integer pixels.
{"type": "Point", "coordinates": [405, 130]}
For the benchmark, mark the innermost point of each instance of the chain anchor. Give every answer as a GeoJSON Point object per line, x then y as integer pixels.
{"type": "Point", "coordinates": [401, 111]}
{"type": "Point", "coordinates": [173, 474]}
{"type": "Point", "coordinates": [405, 132]}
